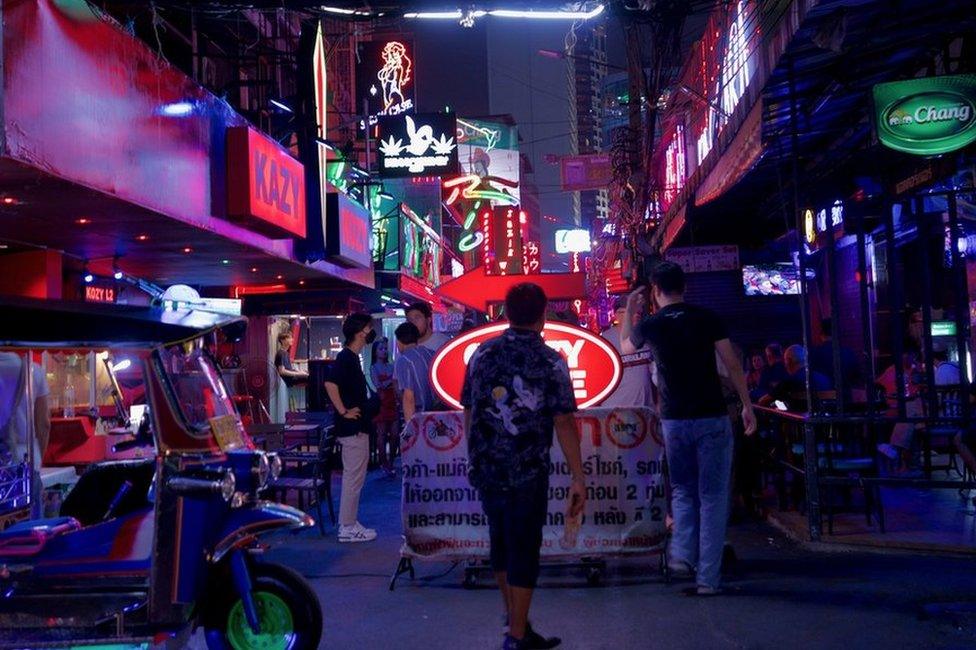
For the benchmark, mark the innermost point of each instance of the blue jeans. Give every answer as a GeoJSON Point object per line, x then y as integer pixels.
{"type": "Point", "coordinates": [700, 465]}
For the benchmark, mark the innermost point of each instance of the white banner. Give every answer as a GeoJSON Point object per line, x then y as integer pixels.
{"type": "Point", "coordinates": [626, 504]}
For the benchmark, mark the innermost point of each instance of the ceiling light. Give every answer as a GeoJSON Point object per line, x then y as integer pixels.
{"type": "Point", "coordinates": [347, 12]}
{"type": "Point", "coordinates": [187, 249]}
{"type": "Point", "coordinates": [116, 271]}
{"type": "Point", "coordinates": [438, 15]}
{"type": "Point", "coordinates": [87, 275]}
{"type": "Point", "coordinates": [83, 221]}
{"type": "Point", "coordinates": [142, 237]}
{"type": "Point", "coordinates": [548, 15]}
{"type": "Point", "coordinates": [9, 200]}
{"type": "Point", "coordinates": [225, 261]}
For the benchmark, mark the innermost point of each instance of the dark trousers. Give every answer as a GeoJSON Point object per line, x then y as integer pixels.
{"type": "Point", "coordinates": [515, 520]}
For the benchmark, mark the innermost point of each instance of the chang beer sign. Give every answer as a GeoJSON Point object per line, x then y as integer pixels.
{"type": "Point", "coordinates": [928, 116]}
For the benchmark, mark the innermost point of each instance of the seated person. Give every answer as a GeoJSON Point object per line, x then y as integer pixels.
{"type": "Point", "coordinates": [773, 373]}
{"type": "Point", "coordinates": [900, 445]}
{"type": "Point", "coordinates": [792, 390]}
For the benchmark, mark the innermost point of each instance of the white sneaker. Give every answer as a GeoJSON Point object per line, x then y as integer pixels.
{"type": "Point", "coordinates": [356, 533]}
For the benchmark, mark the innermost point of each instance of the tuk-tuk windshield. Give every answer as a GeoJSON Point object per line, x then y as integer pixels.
{"type": "Point", "coordinates": [199, 388]}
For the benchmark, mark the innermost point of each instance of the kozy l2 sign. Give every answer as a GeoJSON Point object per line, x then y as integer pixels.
{"type": "Point", "coordinates": [594, 366]}
{"type": "Point", "coordinates": [418, 145]}
{"type": "Point", "coordinates": [265, 185]}
{"type": "Point", "coordinates": [927, 116]}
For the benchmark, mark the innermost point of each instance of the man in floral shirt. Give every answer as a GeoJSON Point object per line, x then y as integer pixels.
{"type": "Point", "coordinates": [517, 389]}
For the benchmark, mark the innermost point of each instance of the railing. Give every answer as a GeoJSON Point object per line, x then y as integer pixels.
{"type": "Point", "coordinates": [809, 455]}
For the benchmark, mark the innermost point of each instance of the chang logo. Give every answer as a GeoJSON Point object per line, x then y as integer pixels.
{"type": "Point", "coordinates": [928, 123]}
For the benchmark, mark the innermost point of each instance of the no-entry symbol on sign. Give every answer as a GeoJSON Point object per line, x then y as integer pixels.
{"type": "Point", "coordinates": [594, 366]}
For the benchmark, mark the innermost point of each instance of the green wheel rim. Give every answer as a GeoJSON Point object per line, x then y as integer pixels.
{"type": "Point", "coordinates": [277, 624]}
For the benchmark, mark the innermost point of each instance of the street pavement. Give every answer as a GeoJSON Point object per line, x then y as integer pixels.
{"type": "Point", "coordinates": [779, 595]}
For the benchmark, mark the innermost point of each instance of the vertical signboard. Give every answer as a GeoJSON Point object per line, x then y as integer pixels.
{"type": "Point", "coordinates": [313, 75]}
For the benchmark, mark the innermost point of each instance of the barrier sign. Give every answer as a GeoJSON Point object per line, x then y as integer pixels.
{"type": "Point", "coordinates": [626, 503]}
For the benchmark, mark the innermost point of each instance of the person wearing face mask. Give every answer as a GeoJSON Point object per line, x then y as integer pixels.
{"type": "Point", "coordinates": [685, 341]}
{"type": "Point", "coordinates": [348, 392]}
{"type": "Point", "coordinates": [381, 371]}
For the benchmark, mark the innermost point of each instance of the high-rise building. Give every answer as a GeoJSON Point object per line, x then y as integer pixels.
{"type": "Point", "coordinates": [587, 56]}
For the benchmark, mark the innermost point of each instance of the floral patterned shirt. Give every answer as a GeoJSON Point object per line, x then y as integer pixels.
{"type": "Point", "coordinates": [515, 385]}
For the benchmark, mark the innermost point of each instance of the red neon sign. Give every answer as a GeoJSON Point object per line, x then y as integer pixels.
{"type": "Point", "coordinates": [94, 293]}
{"type": "Point", "coordinates": [265, 185]}
{"type": "Point", "coordinates": [531, 258]}
{"type": "Point", "coordinates": [594, 366]}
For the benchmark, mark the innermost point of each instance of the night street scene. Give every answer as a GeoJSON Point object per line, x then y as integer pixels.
{"type": "Point", "coordinates": [494, 324]}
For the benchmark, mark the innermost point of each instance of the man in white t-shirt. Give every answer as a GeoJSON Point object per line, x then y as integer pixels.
{"type": "Point", "coordinates": [14, 436]}
{"type": "Point", "coordinates": [422, 316]}
{"type": "Point", "coordinates": [635, 384]}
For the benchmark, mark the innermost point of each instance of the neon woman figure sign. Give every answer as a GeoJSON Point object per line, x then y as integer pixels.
{"type": "Point", "coordinates": [394, 76]}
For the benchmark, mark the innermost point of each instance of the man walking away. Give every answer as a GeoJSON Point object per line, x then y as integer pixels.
{"type": "Point", "coordinates": [515, 390]}
{"type": "Point", "coordinates": [412, 372]}
{"type": "Point", "coordinates": [347, 390]}
{"type": "Point", "coordinates": [684, 340]}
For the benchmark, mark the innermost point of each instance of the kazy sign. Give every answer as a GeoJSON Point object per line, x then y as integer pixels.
{"type": "Point", "coordinates": [927, 116]}
{"type": "Point", "coordinates": [265, 185]}
{"type": "Point", "coordinates": [418, 145]}
{"type": "Point", "coordinates": [594, 366]}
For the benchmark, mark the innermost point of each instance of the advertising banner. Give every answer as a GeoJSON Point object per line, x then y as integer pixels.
{"type": "Point", "coordinates": [626, 495]}
{"type": "Point", "coordinates": [927, 116]}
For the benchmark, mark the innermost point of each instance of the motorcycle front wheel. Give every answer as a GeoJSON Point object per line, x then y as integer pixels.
{"type": "Point", "coordinates": [288, 610]}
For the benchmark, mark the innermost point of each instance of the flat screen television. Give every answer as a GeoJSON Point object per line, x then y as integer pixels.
{"type": "Point", "coordinates": [781, 279]}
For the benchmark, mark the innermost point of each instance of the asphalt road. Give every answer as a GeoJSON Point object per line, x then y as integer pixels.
{"type": "Point", "coordinates": [779, 595]}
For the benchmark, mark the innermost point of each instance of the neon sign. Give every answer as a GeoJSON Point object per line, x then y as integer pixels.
{"type": "Point", "coordinates": [471, 188]}
{"type": "Point", "coordinates": [418, 145]}
{"type": "Point", "coordinates": [674, 165]}
{"type": "Point", "coordinates": [508, 246]}
{"type": "Point", "coordinates": [104, 294]}
{"type": "Point", "coordinates": [319, 82]}
{"type": "Point", "coordinates": [394, 77]}
{"type": "Point", "coordinates": [735, 68]}
{"type": "Point", "coordinates": [531, 258]}
{"type": "Point", "coordinates": [385, 77]}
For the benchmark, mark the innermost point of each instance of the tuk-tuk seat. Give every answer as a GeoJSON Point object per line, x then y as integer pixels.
{"type": "Point", "coordinates": [28, 538]}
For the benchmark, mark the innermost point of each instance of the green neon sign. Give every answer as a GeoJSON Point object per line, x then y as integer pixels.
{"type": "Point", "coordinates": [927, 116]}
{"type": "Point", "coordinates": [943, 328]}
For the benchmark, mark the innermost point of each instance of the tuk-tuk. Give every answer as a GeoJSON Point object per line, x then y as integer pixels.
{"type": "Point", "coordinates": [145, 551]}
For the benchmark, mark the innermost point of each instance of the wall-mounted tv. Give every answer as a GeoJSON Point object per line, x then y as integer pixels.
{"type": "Point", "coordinates": [782, 279]}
